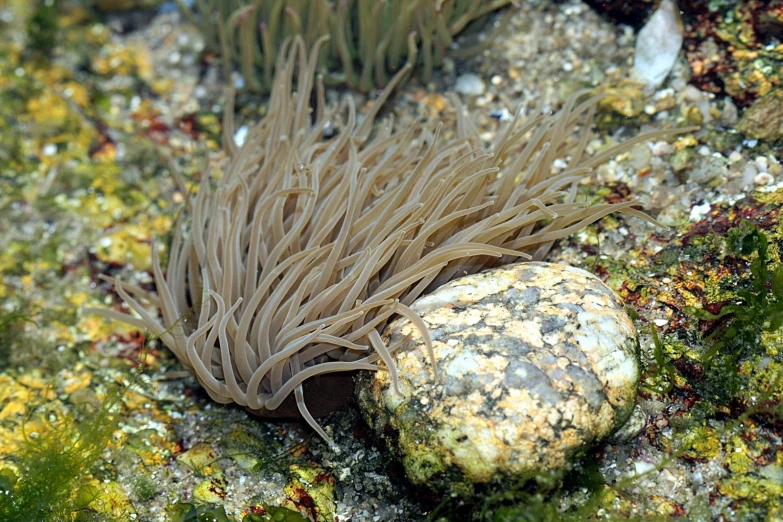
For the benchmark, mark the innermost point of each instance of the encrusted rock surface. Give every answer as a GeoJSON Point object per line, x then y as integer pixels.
{"type": "Point", "coordinates": [536, 361]}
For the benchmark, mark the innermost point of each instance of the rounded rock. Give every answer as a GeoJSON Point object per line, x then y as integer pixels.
{"type": "Point", "coordinates": [470, 85]}
{"type": "Point", "coordinates": [536, 362]}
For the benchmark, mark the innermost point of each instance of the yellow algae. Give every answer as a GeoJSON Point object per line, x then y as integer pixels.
{"type": "Point", "coordinates": [77, 93]}
{"type": "Point", "coordinates": [8, 387]}
{"type": "Point", "coordinates": [161, 86]}
{"type": "Point", "coordinates": [128, 245]}
{"type": "Point", "coordinates": [202, 459]}
{"type": "Point", "coordinates": [212, 490]}
{"type": "Point", "coordinates": [33, 379]}
{"type": "Point", "coordinates": [313, 481]}
{"type": "Point", "coordinates": [96, 327]}
{"type": "Point", "coordinates": [701, 443]}
{"type": "Point", "coordinates": [123, 60]}
{"type": "Point", "coordinates": [104, 209]}
{"type": "Point", "coordinates": [76, 298]}
{"type": "Point", "coordinates": [109, 499]}
{"type": "Point", "coordinates": [107, 180]}
{"type": "Point", "coordinates": [74, 15]}
{"type": "Point", "coordinates": [153, 449]}
{"type": "Point", "coordinates": [48, 109]}
{"type": "Point", "coordinates": [626, 98]}
{"type": "Point", "coordinates": [758, 490]}
{"type": "Point", "coordinates": [13, 409]}
{"type": "Point", "coordinates": [75, 379]}
{"type": "Point", "coordinates": [50, 76]}
{"type": "Point", "coordinates": [135, 401]}
{"type": "Point", "coordinates": [685, 142]}
{"type": "Point", "coordinates": [9, 256]}
{"type": "Point", "coordinates": [740, 463]}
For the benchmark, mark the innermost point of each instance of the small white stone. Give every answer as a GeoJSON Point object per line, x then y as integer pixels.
{"type": "Point", "coordinates": [699, 211]}
{"type": "Point", "coordinates": [643, 467]}
{"type": "Point", "coordinates": [559, 164]}
{"type": "Point", "coordinates": [763, 178]}
{"type": "Point", "coordinates": [661, 148]}
{"type": "Point", "coordinates": [762, 163]}
{"type": "Point", "coordinates": [240, 135]}
{"type": "Point", "coordinates": [470, 84]}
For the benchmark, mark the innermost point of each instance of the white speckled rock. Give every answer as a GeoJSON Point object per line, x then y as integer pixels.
{"type": "Point", "coordinates": [537, 361]}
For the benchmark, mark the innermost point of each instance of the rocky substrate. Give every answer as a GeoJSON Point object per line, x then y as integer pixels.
{"type": "Point", "coordinates": [85, 190]}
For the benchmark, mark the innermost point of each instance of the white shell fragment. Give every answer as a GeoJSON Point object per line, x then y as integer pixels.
{"type": "Point", "coordinates": [658, 44]}
{"type": "Point", "coordinates": [536, 362]}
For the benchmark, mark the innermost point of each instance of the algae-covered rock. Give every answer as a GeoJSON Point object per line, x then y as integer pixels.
{"type": "Point", "coordinates": [202, 459]}
{"type": "Point", "coordinates": [626, 98]}
{"type": "Point", "coordinates": [311, 491]}
{"type": "Point", "coordinates": [536, 362]}
{"type": "Point", "coordinates": [764, 119]}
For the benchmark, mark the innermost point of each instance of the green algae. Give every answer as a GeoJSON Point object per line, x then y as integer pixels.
{"type": "Point", "coordinates": [143, 488]}
{"type": "Point", "coordinates": [186, 512]}
{"type": "Point", "coordinates": [13, 334]}
{"type": "Point", "coordinates": [582, 494]}
{"type": "Point", "coordinates": [21, 343]}
{"type": "Point", "coordinates": [42, 29]}
{"type": "Point", "coordinates": [723, 275]}
{"type": "Point", "coordinates": [757, 309]}
{"type": "Point", "coordinates": [700, 442]}
{"type": "Point", "coordinates": [663, 373]}
{"type": "Point", "coordinates": [50, 479]}
{"type": "Point", "coordinates": [256, 454]}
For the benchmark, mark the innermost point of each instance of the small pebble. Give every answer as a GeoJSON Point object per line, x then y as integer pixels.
{"type": "Point", "coordinates": [662, 148]}
{"type": "Point", "coordinates": [763, 178]}
{"type": "Point", "coordinates": [240, 135]}
{"type": "Point", "coordinates": [470, 85]}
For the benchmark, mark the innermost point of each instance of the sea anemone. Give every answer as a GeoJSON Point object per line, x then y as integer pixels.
{"type": "Point", "coordinates": [299, 248]}
{"type": "Point", "coordinates": [370, 39]}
